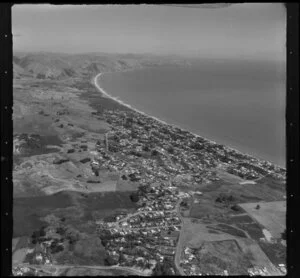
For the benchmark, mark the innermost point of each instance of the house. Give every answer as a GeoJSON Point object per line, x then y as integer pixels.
{"type": "Point", "coordinates": [39, 257]}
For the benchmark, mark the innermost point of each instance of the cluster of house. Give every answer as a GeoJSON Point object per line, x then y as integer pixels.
{"type": "Point", "coordinates": [151, 219]}
{"type": "Point", "coordinates": [262, 271]}
{"type": "Point", "coordinates": [282, 268]}
{"type": "Point", "coordinates": [258, 271]}
{"type": "Point", "coordinates": [243, 172]}
{"type": "Point", "coordinates": [150, 234]}
{"type": "Point", "coordinates": [41, 257]}
{"type": "Point", "coordinates": [23, 271]}
{"type": "Point", "coordinates": [188, 262]}
{"type": "Point", "coordinates": [139, 248]}
{"type": "Point", "coordinates": [180, 152]}
{"type": "Point", "coordinates": [161, 151]}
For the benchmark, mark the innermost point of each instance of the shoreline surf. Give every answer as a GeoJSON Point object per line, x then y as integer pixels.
{"type": "Point", "coordinates": [173, 125]}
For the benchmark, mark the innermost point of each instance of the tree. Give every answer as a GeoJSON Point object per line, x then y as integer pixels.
{"type": "Point", "coordinates": [134, 197]}
{"type": "Point", "coordinates": [122, 258]}
{"type": "Point", "coordinates": [146, 148]}
{"type": "Point", "coordinates": [163, 268]}
{"type": "Point", "coordinates": [134, 134]}
{"type": "Point", "coordinates": [56, 248]}
{"type": "Point", "coordinates": [154, 153]}
{"type": "Point", "coordinates": [171, 150]}
{"type": "Point", "coordinates": [109, 261]}
{"type": "Point", "coordinates": [258, 207]}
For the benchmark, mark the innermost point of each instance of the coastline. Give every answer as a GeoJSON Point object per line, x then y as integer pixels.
{"type": "Point", "coordinates": [173, 125]}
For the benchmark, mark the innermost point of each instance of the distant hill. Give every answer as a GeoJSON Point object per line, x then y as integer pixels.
{"type": "Point", "coordinates": [60, 66]}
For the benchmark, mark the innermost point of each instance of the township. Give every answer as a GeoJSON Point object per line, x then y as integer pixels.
{"type": "Point", "coordinates": [122, 191]}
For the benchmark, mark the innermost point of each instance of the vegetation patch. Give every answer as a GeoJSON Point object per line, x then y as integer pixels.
{"type": "Point", "coordinates": [217, 256]}
{"type": "Point", "coordinates": [276, 251]}
{"type": "Point", "coordinates": [253, 229]}
{"type": "Point", "coordinates": [229, 230]}
{"type": "Point", "coordinates": [77, 208]}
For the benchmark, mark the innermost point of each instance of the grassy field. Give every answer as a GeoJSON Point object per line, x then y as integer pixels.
{"type": "Point", "coordinates": [229, 230]}
{"type": "Point", "coordinates": [19, 256]}
{"type": "Point", "coordinates": [276, 252]}
{"type": "Point", "coordinates": [68, 217]}
{"type": "Point", "coordinates": [86, 251]}
{"type": "Point", "coordinates": [219, 255]}
{"type": "Point", "coordinates": [271, 215]}
{"type": "Point", "coordinates": [77, 208]}
{"type": "Point", "coordinates": [93, 272]}
{"type": "Point", "coordinates": [257, 255]}
{"type": "Point", "coordinates": [28, 211]}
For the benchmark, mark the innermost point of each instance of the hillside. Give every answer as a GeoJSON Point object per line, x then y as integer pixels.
{"type": "Point", "coordinates": [62, 66]}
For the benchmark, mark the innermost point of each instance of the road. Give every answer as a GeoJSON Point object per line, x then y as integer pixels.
{"type": "Point", "coordinates": [179, 243]}
{"type": "Point", "coordinates": [117, 225]}
{"type": "Point", "coordinates": [61, 267]}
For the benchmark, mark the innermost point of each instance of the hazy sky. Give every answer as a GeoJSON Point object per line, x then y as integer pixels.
{"type": "Point", "coordinates": [255, 30]}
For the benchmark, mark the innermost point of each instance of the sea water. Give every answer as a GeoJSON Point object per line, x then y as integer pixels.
{"type": "Point", "coordinates": [238, 103]}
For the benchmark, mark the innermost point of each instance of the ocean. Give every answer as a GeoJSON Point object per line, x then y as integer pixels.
{"type": "Point", "coordinates": [238, 103]}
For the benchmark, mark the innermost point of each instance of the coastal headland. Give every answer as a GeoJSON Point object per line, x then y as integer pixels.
{"type": "Point", "coordinates": [102, 186]}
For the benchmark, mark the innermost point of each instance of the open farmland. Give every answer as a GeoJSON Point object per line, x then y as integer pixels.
{"type": "Point", "coordinates": [81, 271]}
{"type": "Point", "coordinates": [214, 256]}
{"type": "Point", "coordinates": [96, 183]}
{"type": "Point", "coordinates": [75, 207]}
{"type": "Point", "coordinates": [235, 255]}
{"type": "Point", "coordinates": [271, 215]}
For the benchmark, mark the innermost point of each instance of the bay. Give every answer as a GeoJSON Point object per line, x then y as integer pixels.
{"type": "Point", "coordinates": [238, 103]}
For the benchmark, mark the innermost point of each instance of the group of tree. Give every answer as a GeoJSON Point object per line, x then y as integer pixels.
{"type": "Point", "coordinates": [184, 204]}
{"type": "Point", "coordinates": [164, 268]}
{"type": "Point", "coordinates": [146, 148]}
{"type": "Point", "coordinates": [55, 247]}
{"type": "Point", "coordinates": [154, 153]}
{"type": "Point", "coordinates": [225, 199]}
{"type": "Point", "coordinates": [170, 150]}
{"type": "Point", "coordinates": [197, 146]}
{"type": "Point", "coordinates": [135, 153]}
{"type": "Point", "coordinates": [133, 177]}
{"type": "Point", "coordinates": [38, 235]}
{"type": "Point", "coordinates": [109, 260]}
{"type": "Point", "coordinates": [134, 197]}
{"type": "Point", "coordinates": [128, 123]}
